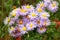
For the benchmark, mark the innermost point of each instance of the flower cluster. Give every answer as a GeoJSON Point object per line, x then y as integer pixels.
{"type": "Point", "coordinates": [27, 18]}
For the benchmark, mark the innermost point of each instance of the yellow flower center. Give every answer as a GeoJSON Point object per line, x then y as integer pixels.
{"type": "Point", "coordinates": [38, 22]}
{"type": "Point", "coordinates": [21, 22]}
{"type": "Point", "coordinates": [8, 20]}
{"type": "Point", "coordinates": [28, 6]}
{"type": "Point", "coordinates": [22, 10]}
{"type": "Point", "coordinates": [39, 10]}
{"type": "Point", "coordinates": [24, 28]}
{"type": "Point", "coordinates": [53, 5]}
{"type": "Point", "coordinates": [41, 28]}
{"type": "Point", "coordinates": [41, 5]}
{"type": "Point", "coordinates": [44, 15]}
{"type": "Point", "coordinates": [14, 14]}
{"type": "Point", "coordinates": [33, 14]}
{"type": "Point", "coordinates": [12, 28]}
{"type": "Point", "coordinates": [19, 29]}
{"type": "Point", "coordinates": [31, 25]}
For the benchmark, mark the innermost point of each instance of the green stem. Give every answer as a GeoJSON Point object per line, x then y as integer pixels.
{"type": "Point", "coordinates": [2, 4]}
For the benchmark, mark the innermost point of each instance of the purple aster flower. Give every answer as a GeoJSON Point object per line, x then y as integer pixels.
{"type": "Point", "coordinates": [45, 22]}
{"type": "Point", "coordinates": [41, 5]}
{"type": "Point", "coordinates": [53, 6]}
{"type": "Point", "coordinates": [25, 20]}
{"type": "Point", "coordinates": [15, 13]}
{"type": "Point", "coordinates": [41, 30]}
{"type": "Point", "coordinates": [44, 15]}
{"type": "Point", "coordinates": [39, 23]}
{"type": "Point", "coordinates": [29, 8]}
{"type": "Point", "coordinates": [33, 15]}
{"type": "Point", "coordinates": [22, 12]}
{"type": "Point", "coordinates": [11, 30]}
{"type": "Point", "coordinates": [15, 32]}
{"type": "Point", "coordinates": [39, 10]}
{"type": "Point", "coordinates": [23, 29]}
{"type": "Point", "coordinates": [31, 25]}
{"type": "Point", "coordinates": [20, 22]}
{"type": "Point", "coordinates": [47, 1]}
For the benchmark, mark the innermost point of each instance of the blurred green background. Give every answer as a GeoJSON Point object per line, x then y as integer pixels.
{"type": "Point", "coordinates": [7, 6]}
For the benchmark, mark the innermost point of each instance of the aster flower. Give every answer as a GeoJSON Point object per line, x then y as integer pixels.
{"type": "Point", "coordinates": [14, 14]}
{"type": "Point", "coordinates": [22, 12]}
{"type": "Point", "coordinates": [26, 20]}
{"type": "Point", "coordinates": [11, 30]}
{"type": "Point", "coordinates": [18, 31]}
{"type": "Point", "coordinates": [39, 10]}
{"type": "Point", "coordinates": [46, 22]}
{"type": "Point", "coordinates": [32, 15]}
{"type": "Point", "coordinates": [41, 5]}
{"type": "Point", "coordinates": [15, 32]}
{"type": "Point", "coordinates": [53, 6]}
{"type": "Point", "coordinates": [29, 8]}
{"type": "Point", "coordinates": [47, 1]}
{"type": "Point", "coordinates": [39, 22]}
{"type": "Point", "coordinates": [41, 30]}
{"type": "Point", "coordinates": [7, 20]}
{"type": "Point", "coordinates": [30, 26]}
{"type": "Point", "coordinates": [44, 15]}
{"type": "Point", "coordinates": [20, 22]}
{"type": "Point", "coordinates": [23, 29]}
